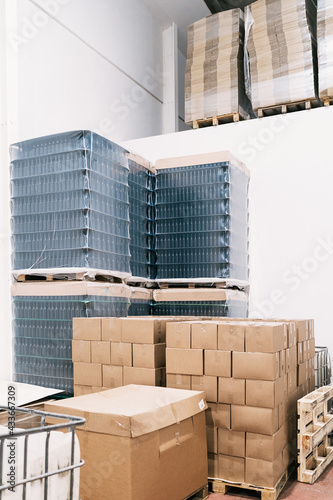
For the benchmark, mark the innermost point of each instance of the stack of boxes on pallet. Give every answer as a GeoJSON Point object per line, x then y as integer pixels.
{"type": "Point", "coordinates": [252, 372]}
{"type": "Point", "coordinates": [112, 352]}
{"type": "Point", "coordinates": [282, 51]}
{"type": "Point", "coordinates": [214, 77]}
{"type": "Point", "coordinates": [325, 50]}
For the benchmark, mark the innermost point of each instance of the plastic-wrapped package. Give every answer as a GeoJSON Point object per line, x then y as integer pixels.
{"type": "Point", "coordinates": [42, 325]}
{"type": "Point", "coordinates": [214, 77]}
{"type": "Point", "coordinates": [141, 302]}
{"type": "Point", "coordinates": [281, 43]}
{"type": "Point", "coordinates": [202, 217]}
{"type": "Point", "coordinates": [325, 48]}
{"type": "Point", "coordinates": [141, 181]}
{"type": "Point", "coordinates": [201, 302]}
{"type": "Point", "coordinates": [70, 203]}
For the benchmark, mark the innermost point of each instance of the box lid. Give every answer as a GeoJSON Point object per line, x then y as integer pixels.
{"type": "Point", "coordinates": [132, 410]}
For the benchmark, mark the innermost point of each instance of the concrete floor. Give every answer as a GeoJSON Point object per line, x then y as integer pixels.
{"type": "Point", "coordinates": [321, 489]}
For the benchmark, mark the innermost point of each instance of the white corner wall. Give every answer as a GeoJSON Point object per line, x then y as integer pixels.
{"type": "Point", "coordinates": [291, 207]}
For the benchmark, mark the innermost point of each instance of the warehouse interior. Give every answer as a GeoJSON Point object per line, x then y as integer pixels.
{"type": "Point", "coordinates": [119, 68]}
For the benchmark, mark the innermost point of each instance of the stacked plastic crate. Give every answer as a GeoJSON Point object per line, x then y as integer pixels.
{"type": "Point", "coordinates": [201, 233]}
{"type": "Point", "coordinates": [70, 212]}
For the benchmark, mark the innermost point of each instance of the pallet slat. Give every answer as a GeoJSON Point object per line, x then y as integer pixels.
{"type": "Point", "coordinates": [288, 107]}
{"type": "Point", "coordinates": [218, 120]}
{"type": "Point", "coordinates": [201, 494]}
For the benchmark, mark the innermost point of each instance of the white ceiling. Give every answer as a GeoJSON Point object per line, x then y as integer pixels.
{"type": "Point", "coordinates": [181, 12]}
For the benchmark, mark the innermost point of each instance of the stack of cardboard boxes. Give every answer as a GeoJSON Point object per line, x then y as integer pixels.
{"type": "Point", "coordinates": [253, 372]}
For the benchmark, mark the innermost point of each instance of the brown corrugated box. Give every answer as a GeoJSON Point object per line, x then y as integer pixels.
{"type": "Point", "coordinates": [212, 440]}
{"type": "Point", "coordinates": [142, 442]}
{"type": "Point", "coordinates": [88, 374]}
{"type": "Point", "coordinates": [232, 468]}
{"type": "Point", "coordinates": [178, 381]}
{"type": "Point", "coordinates": [121, 354]}
{"type": "Point", "coordinates": [263, 447]}
{"type": "Point", "coordinates": [231, 391]}
{"type": "Point", "coordinates": [266, 337]}
{"type": "Point", "coordinates": [264, 473]}
{"type": "Point", "coordinates": [143, 330]}
{"type": "Point", "coordinates": [178, 335]}
{"type": "Point", "coordinates": [231, 336]}
{"type": "Point", "coordinates": [213, 465]}
{"type": "Point", "coordinates": [265, 394]}
{"type": "Point", "coordinates": [255, 420]}
{"type": "Point", "coordinates": [291, 358]}
{"type": "Point", "coordinates": [204, 335]}
{"type": "Point", "coordinates": [184, 361]}
{"type": "Point", "coordinates": [100, 352]}
{"type": "Point", "coordinates": [81, 351]}
{"type": "Point", "coordinates": [206, 384]}
{"type": "Point", "coordinates": [218, 415]}
{"type": "Point", "coordinates": [111, 329]}
{"type": "Point", "coordinates": [144, 376]}
{"type": "Point", "coordinates": [149, 355]}
{"type": "Point", "coordinates": [81, 390]}
{"type": "Point", "coordinates": [217, 363]}
{"type": "Point", "coordinates": [112, 376]}
{"type": "Point", "coordinates": [231, 443]}
{"type": "Point", "coordinates": [87, 328]}
{"type": "Point", "coordinates": [256, 366]}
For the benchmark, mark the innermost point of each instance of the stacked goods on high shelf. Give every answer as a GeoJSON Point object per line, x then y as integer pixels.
{"type": "Point", "coordinates": [214, 77]}
{"type": "Point", "coordinates": [325, 48]}
{"type": "Point", "coordinates": [141, 301]}
{"type": "Point", "coordinates": [202, 217]}
{"type": "Point", "coordinates": [141, 181]}
{"type": "Point", "coordinates": [140, 442]}
{"type": "Point", "coordinates": [42, 325]}
{"type": "Point", "coordinates": [253, 372]}
{"type": "Point", "coordinates": [282, 51]}
{"type": "Point", "coordinates": [70, 203]}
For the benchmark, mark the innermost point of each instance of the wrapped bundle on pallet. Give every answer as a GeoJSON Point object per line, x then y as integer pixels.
{"type": "Point", "coordinates": [214, 78]}
{"type": "Point", "coordinates": [325, 48]}
{"type": "Point", "coordinates": [281, 42]}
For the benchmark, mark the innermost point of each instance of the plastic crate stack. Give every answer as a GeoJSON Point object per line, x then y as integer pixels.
{"type": "Point", "coordinates": [282, 49]}
{"type": "Point", "coordinates": [202, 217]}
{"type": "Point", "coordinates": [141, 181]}
{"type": "Point", "coordinates": [325, 48]}
{"type": "Point", "coordinates": [70, 204]}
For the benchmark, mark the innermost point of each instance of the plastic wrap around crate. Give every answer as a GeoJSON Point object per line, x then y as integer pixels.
{"type": "Point", "coordinates": [42, 325]}
{"type": "Point", "coordinates": [141, 181]}
{"type": "Point", "coordinates": [70, 203]}
{"type": "Point", "coordinates": [201, 302]}
{"type": "Point", "coordinates": [141, 302]}
{"type": "Point", "coordinates": [202, 217]}
{"type": "Point", "coordinates": [325, 48]}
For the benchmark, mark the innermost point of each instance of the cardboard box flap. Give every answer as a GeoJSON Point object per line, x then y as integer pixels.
{"type": "Point", "coordinates": [200, 294]}
{"type": "Point", "coordinates": [60, 288]}
{"type": "Point", "coordinates": [141, 293]}
{"type": "Point", "coordinates": [132, 410]}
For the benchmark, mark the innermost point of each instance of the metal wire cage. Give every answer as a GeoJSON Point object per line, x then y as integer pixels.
{"type": "Point", "coordinates": [323, 368]}
{"type": "Point", "coordinates": [46, 428]}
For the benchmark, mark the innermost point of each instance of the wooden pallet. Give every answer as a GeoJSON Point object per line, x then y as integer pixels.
{"type": "Point", "coordinates": [328, 101]}
{"type": "Point", "coordinates": [217, 120]}
{"type": "Point", "coordinates": [288, 107]}
{"type": "Point", "coordinates": [80, 276]}
{"type": "Point", "coordinates": [191, 285]}
{"type": "Point", "coordinates": [201, 494]}
{"type": "Point", "coordinates": [315, 423]}
{"type": "Point", "coordinates": [222, 487]}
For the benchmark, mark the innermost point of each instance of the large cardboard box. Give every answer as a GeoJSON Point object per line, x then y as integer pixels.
{"type": "Point", "coordinates": [121, 354]}
{"type": "Point", "coordinates": [140, 442]}
{"type": "Point", "coordinates": [111, 329]}
{"type": "Point", "coordinates": [144, 376]}
{"type": "Point", "coordinates": [87, 328]}
{"type": "Point", "coordinates": [256, 366]}
{"type": "Point", "coordinates": [112, 376]}
{"type": "Point", "coordinates": [204, 335]}
{"type": "Point", "coordinates": [81, 390]}
{"type": "Point", "coordinates": [266, 337]}
{"type": "Point", "coordinates": [218, 363]}
{"type": "Point", "coordinates": [143, 330]}
{"type": "Point", "coordinates": [178, 381]}
{"type": "Point", "coordinates": [178, 335]}
{"type": "Point", "coordinates": [81, 351]}
{"type": "Point", "coordinates": [213, 465]}
{"type": "Point", "coordinates": [265, 447]}
{"type": "Point", "coordinates": [264, 473]}
{"type": "Point", "coordinates": [264, 393]}
{"type": "Point", "coordinates": [255, 420]}
{"type": "Point", "coordinates": [232, 468]}
{"type": "Point", "coordinates": [231, 443]}
{"type": "Point", "coordinates": [206, 384]}
{"type": "Point", "coordinates": [149, 355]}
{"type": "Point", "coordinates": [218, 415]}
{"type": "Point", "coordinates": [231, 391]}
{"type": "Point", "coordinates": [185, 361]}
{"type": "Point", "coordinates": [231, 336]}
{"type": "Point", "coordinates": [212, 440]}
{"type": "Point", "coordinates": [101, 352]}
{"type": "Point", "coordinates": [291, 358]}
{"type": "Point", "coordinates": [88, 374]}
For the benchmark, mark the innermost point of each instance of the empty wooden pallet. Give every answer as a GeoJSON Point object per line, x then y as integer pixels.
{"type": "Point", "coordinates": [315, 423]}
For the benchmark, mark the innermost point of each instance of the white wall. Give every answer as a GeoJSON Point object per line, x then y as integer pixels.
{"type": "Point", "coordinates": [291, 207]}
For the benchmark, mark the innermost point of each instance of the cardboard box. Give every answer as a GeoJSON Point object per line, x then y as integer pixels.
{"type": "Point", "coordinates": [212, 440]}
{"type": "Point", "coordinates": [266, 337]}
{"type": "Point", "coordinates": [213, 465]}
{"type": "Point", "coordinates": [144, 376]}
{"type": "Point", "coordinates": [206, 384]}
{"type": "Point", "coordinates": [87, 374]}
{"type": "Point", "coordinates": [218, 415]}
{"type": "Point", "coordinates": [302, 374]}
{"type": "Point", "coordinates": [178, 381]}
{"type": "Point", "coordinates": [292, 335]}
{"type": "Point", "coordinates": [204, 335]}
{"type": "Point", "coordinates": [305, 348]}
{"type": "Point", "coordinates": [255, 420]}
{"type": "Point", "coordinates": [149, 355]}
{"type": "Point", "coordinates": [282, 362]}
{"type": "Point", "coordinates": [218, 363]}
{"type": "Point", "coordinates": [263, 447]}
{"type": "Point", "coordinates": [231, 443]}
{"type": "Point", "coordinates": [265, 394]}
{"type": "Point", "coordinates": [111, 329]}
{"type": "Point", "coordinates": [283, 413]}
{"type": "Point", "coordinates": [121, 354]}
{"type": "Point", "coordinates": [112, 376]}
{"type": "Point", "coordinates": [143, 331]}
{"type": "Point", "coordinates": [292, 381]}
{"type": "Point", "coordinates": [301, 329]}
{"type": "Point", "coordinates": [101, 352]}
{"type": "Point", "coordinates": [231, 391]}
{"type": "Point", "coordinates": [312, 348]}
{"type": "Point", "coordinates": [256, 366]}
{"type": "Point", "coordinates": [87, 328]}
{"type": "Point", "coordinates": [299, 353]}
{"type": "Point", "coordinates": [263, 473]}
{"type": "Point", "coordinates": [231, 337]}
{"type": "Point", "coordinates": [291, 358]}
{"type": "Point", "coordinates": [81, 390]}
{"type": "Point", "coordinates": [232, 468]}
{"type": "Point", "coordinates": [185, 361]}
{"type": "Point", "coordinates": [178, 335]}
{"type": "Point", "coordinates": [137, 430]}
{"type": "Point", "coordinates": [311, 329]}
{"type": "Point", "coordinates": [81, 351]}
